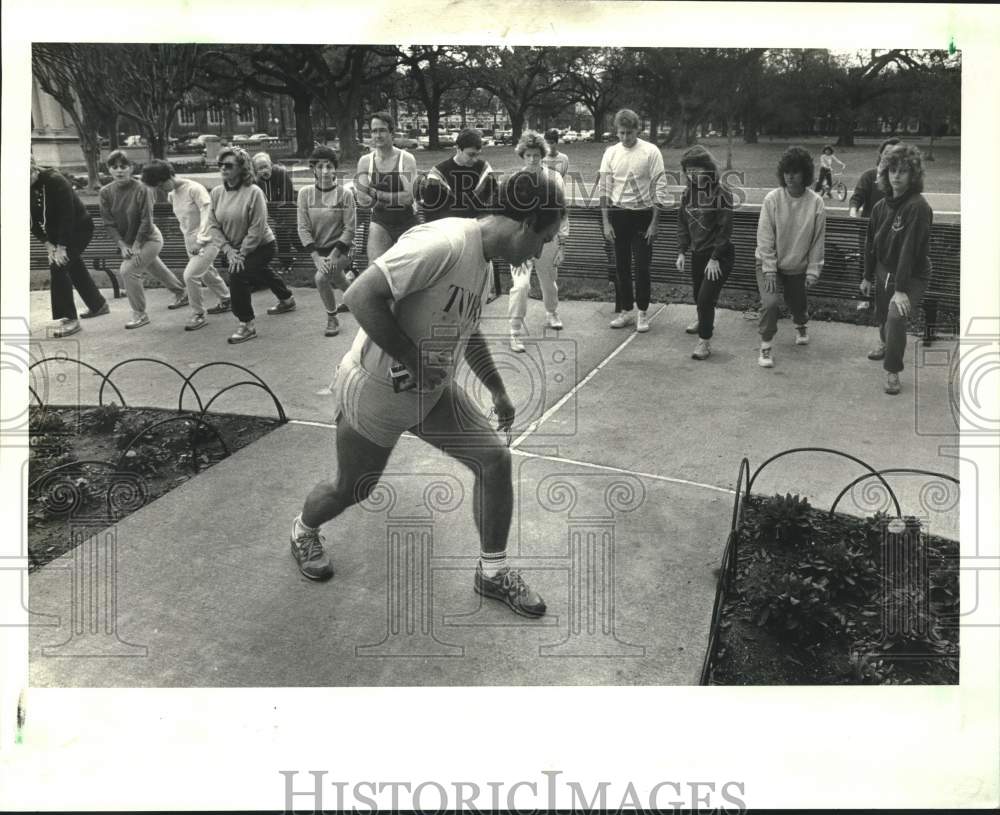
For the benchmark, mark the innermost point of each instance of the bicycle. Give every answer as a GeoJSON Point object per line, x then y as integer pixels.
{"type": "Point", "coordinates": [838, 189]}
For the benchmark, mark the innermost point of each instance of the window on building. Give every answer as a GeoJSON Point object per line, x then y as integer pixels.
{"type": "Point", "coordinates": [245, 115]}
{"type": "Point", "coordinates": [185, 116]}
{"type": "Point", "coordinates": [214, 116]}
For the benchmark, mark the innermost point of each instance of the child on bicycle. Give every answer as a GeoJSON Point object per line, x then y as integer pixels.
{"type": "Point", "coordinates": [825, 183]}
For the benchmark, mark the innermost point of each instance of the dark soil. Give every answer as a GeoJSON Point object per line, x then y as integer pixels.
{"type": "Point", "coordinates": [141, 469]}
{"type": "Point", "coordinates": [818, 610]}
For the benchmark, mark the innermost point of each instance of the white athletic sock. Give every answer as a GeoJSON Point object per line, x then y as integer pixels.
{"type": "Point", "coordinates": [301, 528]}
{"type": "Point", "coordinates": [492, 562]}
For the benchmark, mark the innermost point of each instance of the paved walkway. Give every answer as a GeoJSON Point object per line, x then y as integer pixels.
{"type": "Point", "coordinates": [625, 459]}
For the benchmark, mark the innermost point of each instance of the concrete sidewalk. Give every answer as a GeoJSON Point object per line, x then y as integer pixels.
{"type": "Point", "coordinates": [625, 457]}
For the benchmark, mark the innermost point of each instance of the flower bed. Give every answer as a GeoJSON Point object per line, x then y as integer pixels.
{"type": "Point", "coordinates": [99, 463]}
{"type": "Point", "coordinates": [819, 598]}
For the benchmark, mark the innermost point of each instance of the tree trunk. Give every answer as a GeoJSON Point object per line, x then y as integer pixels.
{"type": "Point", "coordinates": [678, 134]}
{"type": "Point", "coordinates": [433, 123]}
{"type": "Point", "coordinates": [654, 125]}
{"type": "Point", "coordinates": [929, 155]}
{"type": "Point", "coordinates": [346, 135]}
{"type": "Point", "coordinates": [729, 144]}
{"type": "Point", "coordinates": [516, 123]}
{"type": "Point", "coordinates": [302, 104]}
{"type": "Point", "coordinates": [158, 142]}
{"type": "Point", "coordinates": [845, 129]}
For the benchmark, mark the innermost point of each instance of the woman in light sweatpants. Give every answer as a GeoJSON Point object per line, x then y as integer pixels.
{"type": "Point", "coordinates": [192, 206]}
{"type": "Point", "coordinates": [127, 212]}
{"type": "Point", "coordinates": [789, 257]}
{"type": "Point", "coordinates": [532, 149]}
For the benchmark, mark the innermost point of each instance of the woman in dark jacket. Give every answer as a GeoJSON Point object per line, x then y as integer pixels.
{"type": "Point", "coordinates": [705, 226]}
{"type": "Point", "coordinates": [60, 221]}
{"type": "Point", "coordinates": [897, 261]}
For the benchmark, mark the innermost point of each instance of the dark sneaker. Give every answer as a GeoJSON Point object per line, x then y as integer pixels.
{"type": "Point", "coordinates": [67, 329]}
{"type": "Point", "coordinates": [222, 308]}
{"type": "Point", "coordinates": [105, 309]}
{"type": "Point", "coordinates": [180, 300]}
{"type": "Point", "coordinates": [332, 326]}
{"type": "Point", "coordinates": [509, 587]}
{"type": "Point", "coordinates": [343, 309]}
{"type": "Point", "coordinates": [196, 322]}
{"type": "Point", "coordinates": [307, 549]}
{"type": "Point", "coordinates": [282, 306]}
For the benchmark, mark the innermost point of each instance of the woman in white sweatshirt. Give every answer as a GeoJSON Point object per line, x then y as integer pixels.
{"type": "Point", "coordinates": [789, 257]}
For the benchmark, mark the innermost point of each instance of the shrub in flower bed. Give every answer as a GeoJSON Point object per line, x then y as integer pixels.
{"type": "Point", "coordinates": [818, 599]}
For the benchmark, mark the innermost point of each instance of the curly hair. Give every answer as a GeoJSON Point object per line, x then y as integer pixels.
{"type": "Point", "coordinates": [797, 160]}
{"type": "Point", "coordinates": [322, 153]}
{"type": "Point", "coordinates": [903, 154]}
{"type": "Point", "coordinates": [626, 118]}
{"type": "Point", "coordinates": [386, 118]}
{"type": "Point", "coordinates": [243, 161]}
{"type": "Point", "coordinates": [156, 172]}
{"type": "Point", "coordinates": [528, 140]}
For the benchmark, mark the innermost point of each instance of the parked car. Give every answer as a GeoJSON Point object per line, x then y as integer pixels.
{"type": "Point", "coordinates": [405, 143]}
{"type": "Point", "coordinates": [263, 137]}
{"type": "Point", "coordinates": [239, 138]}
{"type": "Point", "coordinates": [134, 141]}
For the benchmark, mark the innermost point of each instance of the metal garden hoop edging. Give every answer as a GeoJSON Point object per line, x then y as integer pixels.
{"type": "Point", "coordinates": [891, 471]}
{"type": "Point", "coordinates": [143, 359]}
{"type": "Point", "coordinates": [259, 382]}
{"type": "Point", "coordinates": [194, 437]}
{"type": "Point", "coordinates": [104, 377]}
{"type": "Point", "coordinates": [855, 459]}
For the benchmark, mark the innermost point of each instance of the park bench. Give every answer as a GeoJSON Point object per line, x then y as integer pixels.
{"type": "Point", "coordinates": [587, 256]}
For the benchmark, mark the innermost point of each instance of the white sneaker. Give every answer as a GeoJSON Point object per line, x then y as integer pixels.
{"type": "Point", "coordinates": [622, 319]}
{"type": "Point", "coordinates": [692, 328]}
{"type": "Point", "coordinates": [552, 320]}
{"type": "Point", "coordinates": [703, 350]}
{"type": "Point", "coordinates": [642, 326]}
{"type": "Point", "coordinates": [765, 360]}
{"type": "Point", "coordinates": [801, 335]}
{"type": "Point", "coordinates": [516, 344]}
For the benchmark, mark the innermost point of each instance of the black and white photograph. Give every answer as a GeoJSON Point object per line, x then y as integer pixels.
{"type": "Point", "coordinates": [509, 364]}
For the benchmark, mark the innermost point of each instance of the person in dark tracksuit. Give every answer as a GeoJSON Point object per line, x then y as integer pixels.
{"type": "Point", "coordinates": [897, 261]}
{"type": "Point", "coordinates": [276, 182]}
{"type": "Point", "coordinates": [705, 226]}
{"type": "Point", "coordinates": [60, 220]}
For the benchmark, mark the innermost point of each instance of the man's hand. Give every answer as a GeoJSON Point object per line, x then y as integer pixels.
{"type": "Point", "coordinates": [235, 260]}
{"type": "Point", "coordinates": [811, 280]}
{"type": "Point", "coordinates": [557, 261]}
{"type": "Point", "coordinates": [609, 232]}
{"type": "Point", "coordinates": [712, 270]}
{"type": "Point", "coordinates": [50, 250]}
{"type": "Point", "coordinates": [651, 233]}
{"type": "Point", "coordinates": [505, 411]}
{"type": "Point", "coordinates": [321, 263]}
{"type": "Point", "coordinates": [866, 287]}
{"type": "Point", "coordinates": [680, 262]}
{"type": "Point", "coordinates": [125, 249]}
{"type": "Point", "coordinates": [770, 282]}
{"type": "Point", "coordinates": [901, 300]}
{"type": "Point", "coordinates": [853, 212]}
{"type": "Point", "coordinates": [60, 256]}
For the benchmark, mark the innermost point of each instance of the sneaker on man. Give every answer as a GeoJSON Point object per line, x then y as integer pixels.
{"type": "Point", "coordinates": [622, 319]}
{"type": "Point", "coordinates": [282, 306]}
{"type": "Point", "coordinates": [244, 332]}
{"type": "Point", "coordinates": [222, 307]}
{"type": "Point", "coordinates": [105, 309]}
{"type": "Point", "coordinates": [509, 587]}
{"type": "Point", "coordinates": [343, 309]}
{"type": "Point", "coordinates": [307, 549]}
{"type": "Point", "coordinates": [703, 350]}
{"type": "Point", "coordinates": [517, 344]}
{"type": "Point", "coordinates": [180, 300]}
{"type": "Point", "coordinates": [67, 329]}
{"type": "Point", "coordinates": [196, 322]}
{"type": "Point", "coordinates": [552, 320]}
{"type": "Point", "coordinates": [892, 386]}
{"type": "Point", "coordinates": [801, 335]}
{"type": "Point", "coordinates": [137, 321]}
{"type": "Point", "coordinates": [332, 325]}
{"type": "Point", "coordinates": [692, 328]}
{"type": "Point", "coordinates": [765, 360]}
{"type": "Point", "coordinates": [642, 324]}
{"type": "Point", "coordinates": [878, 352]}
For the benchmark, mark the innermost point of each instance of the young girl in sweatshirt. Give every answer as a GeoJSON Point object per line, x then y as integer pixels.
{"type": "Point", "coordinates": [238, 223]}
{"type": "Point", "coordinates": [790, 235]}
{"type": "Point", "coordinates": [897, 263]}
{"type": "Point", "coordinates": [127, 212]}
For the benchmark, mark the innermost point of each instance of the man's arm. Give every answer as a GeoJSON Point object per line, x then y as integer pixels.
{"type": "Point", "coordinates": [480, 360]}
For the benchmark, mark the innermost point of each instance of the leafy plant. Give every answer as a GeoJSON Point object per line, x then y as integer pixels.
{"type": "Point", "coordinates": [791, 604]}
{"type": "Point", "coordinates": [785, 519]}
{"type": "Point", "coordinates": [43, 422]}
{"type": "Point", "coordinates": [104, 418]}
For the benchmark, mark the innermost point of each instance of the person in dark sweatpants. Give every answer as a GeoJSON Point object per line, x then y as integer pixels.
{"type": "Point", "coordinates": [61, 221]}
{"type": "Point", "coordinates": [705, 226]}
{"type": "Point", "coordinates": [897, 261]}
{"type": "Point", "coordinates": [238, 223]}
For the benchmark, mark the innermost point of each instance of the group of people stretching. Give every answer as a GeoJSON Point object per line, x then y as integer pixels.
{"type": "Point", "coordinates": [419, 302]}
